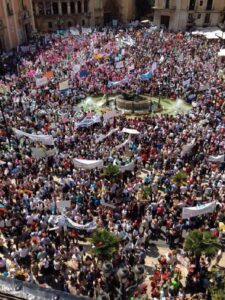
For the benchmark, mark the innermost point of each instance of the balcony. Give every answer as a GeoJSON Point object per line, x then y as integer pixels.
{"type": "Point", "coordinates": [171, 7]}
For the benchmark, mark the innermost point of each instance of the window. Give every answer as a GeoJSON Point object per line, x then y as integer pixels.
{"type": "Point", "coordinates": [201, 3]}
{"type": "Point", "coordinates": [64, 8]}
{"type": "Point", "coordinates": [9, 8]}
{"type": "Point", "coordinates": [79, 6]}
{"type": "Point", "coordinates": [49, 25]}
{"type": "Point", "coordinates": [69, 24]}
{"type": "Point", "coordinates": [41, 8]}
{"type": "Point", "coordinates": [207, 18]}
{"type": "Point", "coordinates": [209, 4]}
{"type": "Point", "coordinates": [48, 8]}
{"type": "Point", "coordinates": [167, 6]}
{"type": "Point", "coordinates": [83, 22]}
{"type": "Point", "coordinates": [192, 4]}
{"type": "Point", "coordinates": [85, 6]}
{"type": "Point", "coordinates": [199, 16]}
{"type": "Point", "coordinates": [55, 8]}
{"type": "Point", "coordinates": [190, 18]}
{"type": "Point", "coordinates": [72, 7]}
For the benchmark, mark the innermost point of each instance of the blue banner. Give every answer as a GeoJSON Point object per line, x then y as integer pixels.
{"type": "Point", "coordinates": [146, 76]}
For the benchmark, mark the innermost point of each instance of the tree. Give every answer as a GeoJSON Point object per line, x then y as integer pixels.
{"type": "Point", "coordinates": [143, 7]}
{"type": "Point", "coordinates": [104, 243]}
{"type": "Point", "coordinates": [201, 242]}
{"type": "Point", "coordinates": [112, 171]}
{"type": "Point", "coordinates": [217, 283]}
{"type": "Point", "coordinates": [179, 178]}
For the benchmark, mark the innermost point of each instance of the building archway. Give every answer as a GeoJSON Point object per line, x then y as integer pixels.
{"type": "Point", "coordinates": [111, 11]}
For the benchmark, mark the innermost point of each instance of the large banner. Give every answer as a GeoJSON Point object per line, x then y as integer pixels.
{"type": "Point", "coordinates": [146, 76]}
{"type": "Point", "coordinates": [61, 221]}
{"type": "Point", "coordinates": [128, 167]}
{"type": "Point", "coordinates": [189, 212]}
{"type": "Point", "coordinates": [104, 136]}
{"type": "Point", "coordinates": [89, 120]}
{"type": "Point", "coordinates": [112, 84]}
{"type": "Point", "coordinates": [41, 153]}
{"type": "Point", "coordinates": [45, 139]}
{"type": "Point", "coordinates": [217, 159]}
{"type": "Point", "coordinates": [41, 81]}
{"type": "Point", "coordinates": [130, 131]}
{"type": "Point", "coordinates": [123, 144]}
{"type": "Point", "coordinates": [88, 164]}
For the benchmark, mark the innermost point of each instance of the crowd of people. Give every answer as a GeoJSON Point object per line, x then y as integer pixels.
{"type": "Point", "coordinates": [40, 193]}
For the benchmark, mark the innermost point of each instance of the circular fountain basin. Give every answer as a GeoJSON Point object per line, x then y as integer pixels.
{"type": "Point", "coordinates": [136, 103]}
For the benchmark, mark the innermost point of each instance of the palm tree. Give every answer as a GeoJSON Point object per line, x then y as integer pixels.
{"type": "Point", "coordinates": [217, 283]}
{"type": "Point", "coordinates": [112, 171]}
{"type": "Point", "coordinates": [104, 243]}
{"type": "Point", "coordinates": [201, 242]}
{"type": "Point", "coordinates": [179, 178]}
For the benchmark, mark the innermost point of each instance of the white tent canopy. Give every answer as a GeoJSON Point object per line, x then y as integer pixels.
{"type": "Point", "coordinates": [210, 33]}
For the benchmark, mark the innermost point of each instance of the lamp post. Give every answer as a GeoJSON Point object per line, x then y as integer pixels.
{"type": "Point", "coordinates": [159, 90]}
{"type": "Point", "coordinates": [4, 119]}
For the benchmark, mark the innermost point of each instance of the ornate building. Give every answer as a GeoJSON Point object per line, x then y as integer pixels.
{"type": "Point", "coordinates": [51, 15]}
{"type": "Point", "coordinates": [16, 23]}
{"type": "Point", "coordinates": [186, 14]}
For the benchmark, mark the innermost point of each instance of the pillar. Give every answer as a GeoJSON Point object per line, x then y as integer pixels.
{"type": "Point", "coordinates": [51, 8]}
{"type": "Point", "coordinates": [60, 8]}
{"type": "Point", "coordinates": [68, 8]}
{"type": "Point", "coordinates": [36, 9]}
{"type": "Point", "coordinates": [82, 6]}
{"type": "Point", "coordinates": [76, 7]}
{"type": "Point", "coordinates": [44, 7]}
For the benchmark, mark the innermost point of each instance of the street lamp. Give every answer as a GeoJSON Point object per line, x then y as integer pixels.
{"type": "Point", "coordinates": [159, 91]}
{"type": "Point", "coordinates": [4, 119]}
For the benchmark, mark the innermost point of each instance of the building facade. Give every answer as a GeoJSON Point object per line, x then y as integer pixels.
{"type": "Point", "coordinates": [51, 15]}
{"type": "Point", "coordinates": [186, 14]}
{"type": "Point", "coordinates": [16, 23]}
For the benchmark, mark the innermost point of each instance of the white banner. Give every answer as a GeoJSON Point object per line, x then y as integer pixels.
{"type": "Point", "coordinates": [130, 131]}
{"type": "Point", "coordinates": [154, 67]}
{"type": "Point", "coordinates": [63, 205]}
{"type": "Point", "coordinates": [127, 167]}
{"type": "Point", "coordinates": [64, 85]}
{"type": "Point", "coordinates": [119, 65]}
{"type": "Point", "coordinates": [110, 114]}
{"type": "Point", "coordinates": [187, 148]}
{"type": "Point", "coordinates": [41, 81]}
{"type": "Point", "coordinates": [189, 212]}
{"type": "Point", "coordinates": [41, 153]}
{"type": "Point", "coordinates": [45, 139]}
{"type": "Point", "coordinates": [217, 159]}
{"type": "Point", "coordinates": [123, 144]}
{"type": "Point", "coordinates": [61, 221]}
{"type": "Point", "coordinates": [88, 164]}
{"type": "Point", "coordinates": [87, 227]}
{"type": "Point", "coordinates": [104, 136]}
{"type": "Point", "coordinates": [88, 121]}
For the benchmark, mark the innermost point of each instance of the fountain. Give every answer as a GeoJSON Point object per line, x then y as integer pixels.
{"type": "Point", "coordinates": [133, 103]}
{"type": "Point", "coordinates": [136, 103]}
